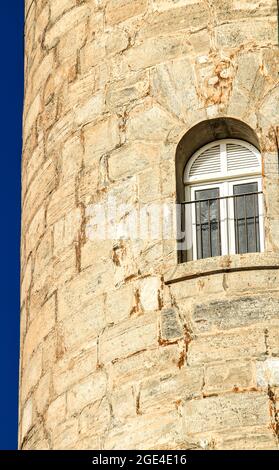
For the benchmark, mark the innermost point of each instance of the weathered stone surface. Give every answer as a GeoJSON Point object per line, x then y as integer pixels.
{"type": "Point", "coordinates": [138, 367]}
{"type": "Point", "coordinates": [128, 338]}
{"type": "Point", "coordinates": [268, 372]}
{"type": "Point", "coordinates": [42, 324]}
{"type": "Point", "coordinates": [95, 416]}
{"type": "Point", "coordinates": [229, 376]}
{"type": "Point", "coordinates": [65, 435]}
{"type": "Point", "coordinates": [167, 392]}
{"type": "Point", "coordinates": [71, 369]}
{"type": "Point", "coordinates": [120, 304]}
{"type": "Point", "coordinates": [100, 139]}
{"type": "Point", "coordinates": [229, 411]}
{"type": "Point", "coordinates": [247, 344]}
{"type": "Point", "coordinates": [87, 391]}
{"type": "Point", "coordinates": [66, 23]}
{"type": "Point", "coordinates": [226, 314]}
{"type": "Point", "coordinates": [127, 90]}
{"type": "Point", "coordinates": [171, 327]}
{"type": "Point", "coordinates": [58, 7]}
{"type": "Point", "coordinates": [31, 373]}
{"type": "Point", "coordinates": [121, 347]}
{"type": "Point", "coordinates": [27, 418]}
{"type": "Point", "coordinates": [149, 292]}
{"type": "Point", "coordinates": [83, 324]}
{"type": "Point", "coordinates": [169, 87]}
{"type": "Point", "coordinates": [120, 10]}
{"type": "Point", "coordinates": [131, 159]}
{"type": "Point", "coordinates": [56, 412]}
{"type": "Point", "coordinates": [141, 432]}
{"type": "Point", "coordinates": [153, 51]}
{"type": "Point", "coordinates": [46, 180]}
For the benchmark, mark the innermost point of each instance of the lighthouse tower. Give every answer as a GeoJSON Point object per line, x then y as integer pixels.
{"type": "Point", "coordinates": [150, 225]}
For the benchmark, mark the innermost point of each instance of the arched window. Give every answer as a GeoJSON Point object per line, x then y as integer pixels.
{"type": "Point", "coordinates": [223, 200]}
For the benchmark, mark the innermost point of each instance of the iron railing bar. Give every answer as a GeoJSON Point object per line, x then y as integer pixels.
{"type": "Point", "coordinates": [246, 229]}
{"type": "Point", "coordinates": [219, 228]}
{"type": "Point", "coordinates": [209, 229]}
{"type": "Point", "coordinates": [236, 225]}
{"type": "Point", "coordinates": [219, 198]}
{"type": "Point", "coordinates": [255, 224]}
{"type": "Point", "coordinates": [200, 224]}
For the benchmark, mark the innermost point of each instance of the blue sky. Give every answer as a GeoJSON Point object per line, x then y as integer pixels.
{"type": "Point", "coordinates": [11, 87]}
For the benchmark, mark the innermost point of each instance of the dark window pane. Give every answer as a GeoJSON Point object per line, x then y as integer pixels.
{"type": "Point", "coordinates": [246, 218]}
{"type": "Point", "coordinates": [208, 223]}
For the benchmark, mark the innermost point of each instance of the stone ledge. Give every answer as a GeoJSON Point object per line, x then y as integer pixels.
{"type": "Point", "coordinates": [221, 264]}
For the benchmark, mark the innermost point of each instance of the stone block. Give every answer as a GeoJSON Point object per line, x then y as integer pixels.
{"type": "Point", "coordinates": [62, 202]}
{"type": "Point", "coordinates": [88, 182]}
{"type": "Point", "coordinates": [32, 372]}
{"type": "Point", "coordinates": [229, 376]}
{"type": "Point", "coordinates": [234, 313]}
{"type": "Point", "coordinates": [154, 51]}
{"type": "Point", "coordinates": [42, 394]}
{"type": "Point", "coordinates": [124, 403]}
{"type": "Point", "coordinates": [71, 369]}
{"type": "Point", "coordinates": [237, 33]}
{"type": "Point", "coordinates": [26, 280]}
{"type": "Point", "coordinates": [90, 110]}
{"type": "Point", "coordinates": [43, 322]}
{"type": "Point", "coordinates": [149, 292]}
{"type": "Point", "coordinates": [118, 11]}
{"type": "Point", "coordinates": [154, 362]}
{"type": "Point", "coordinates": [164, 429]}
{"type": "Point", "coordinates": [93, 53]}
{"type": "Point", "coordinates": [189, 17]}
{"type": "Point", "coordinates": [132, 159]}
{"type": "Point", "coordinates": [56, 412]}
{"type": "Point", "coordinates": [227, 412]}
{"type": "Point", "coordinates": [251, 438]}
{"type": "Point", "coordinates": [125, 91]}
{"type": "Point", "coordinates": [245, 344]}
{"type": "Point", "coordinates": [27, 418]}
{"type": "Point", "coordinates": [68, 21]}
{"type": "Point", "coordinates": [168, 391]}
{"type": "Point", "coordinates": [39, 190]}
{"type": "Point", "coordinates": [117, 41]}
{"type": "Point", "coordinates": [168, 87]}
{"type": "Point", "coordinates": [153, 124]}
{"type": "Point", "coordinates": [65, 435]}
{"type": "Point", "coordinates": [129, 337]}
{"type": "Point", "coordinates": [31, 116]}
{"type": "Point", "coordinates": [58, 7]}
{"type": "Point", "coordinates": [120, 304]}
{"type": "Point", "coordinates": [100, 139]}
{"type": "Point", "coordinates": [34, 163]}
{"type": "Point", "coordinates": [71, 158]}
{"type": "Point", "coordinates": [95, 417]}
{"type": "Point", "coordinates": [42, 73]}
{"type": "Point", "coordinates": [267, 372]}
{"type": "Point", "coordinates": [171, 326]}
{"type": "Point", "coordinates": [273, 340]}
{"type": "Point", "coordinates": [81, 322]}
{"type": "Point", "coordinates": [88, 391]}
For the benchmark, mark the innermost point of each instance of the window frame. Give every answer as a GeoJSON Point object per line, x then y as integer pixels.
{"type": "Point", "coordinates": [225, 182]}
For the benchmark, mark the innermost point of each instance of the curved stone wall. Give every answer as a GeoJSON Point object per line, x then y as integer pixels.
{"type": "Point", "coordinates": [120, 347]}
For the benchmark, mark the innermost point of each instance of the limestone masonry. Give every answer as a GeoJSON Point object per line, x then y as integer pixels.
{"type": "Point", "coordinates": [122, 347]}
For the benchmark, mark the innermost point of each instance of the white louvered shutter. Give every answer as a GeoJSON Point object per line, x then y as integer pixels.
{"type": "Point", "coordinates": [241, 159]}
{"type": "Point", "coordinates": [225, 159]}
{"type": "Point", "coordinates": [208, 162]}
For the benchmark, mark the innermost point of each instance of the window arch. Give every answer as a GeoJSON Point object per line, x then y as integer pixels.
{"type": "Point", "coordinates": [223, 207]}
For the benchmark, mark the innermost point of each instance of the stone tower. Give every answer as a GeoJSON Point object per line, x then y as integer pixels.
{"type": "Point", "coordinates": [126, 342]}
